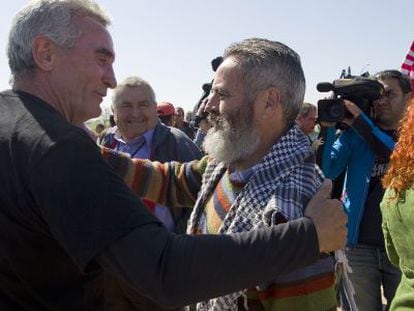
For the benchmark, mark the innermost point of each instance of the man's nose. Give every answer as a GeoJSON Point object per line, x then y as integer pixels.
{"type": "Point", "coordinates": [212, 104]}
{"type": "Point", "coordinates": [109, 78]}
{"type": "Point", "coordinates": [135, 110]}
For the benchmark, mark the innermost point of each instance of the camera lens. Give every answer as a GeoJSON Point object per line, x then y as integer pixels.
{"type": "Point", "coordinates": [335, 111]}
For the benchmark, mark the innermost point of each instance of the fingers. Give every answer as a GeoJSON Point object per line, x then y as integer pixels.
{"type": "Point", "coordinates": [334, 231]}
{"type": "Point", "coordinates": [341, 231]}
{"type": "Point", "coordinates": [329, 219]}
{"type": "Point", "coordinates": [325, 190]}
{"type": "Point", "coordinates": [320, 199]}
{"type": "Point", "coordinates": [352, 108]}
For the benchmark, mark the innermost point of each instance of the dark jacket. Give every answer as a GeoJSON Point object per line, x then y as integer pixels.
{"type": "Point", "coordinates": [172, 144]}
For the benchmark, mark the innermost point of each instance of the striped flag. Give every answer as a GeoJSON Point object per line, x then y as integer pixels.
{"type": "Point", "coordinates": [407, 66]}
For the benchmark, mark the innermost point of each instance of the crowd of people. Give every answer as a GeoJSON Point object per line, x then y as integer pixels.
{"type": "Point", "coordinates": [228, 210]}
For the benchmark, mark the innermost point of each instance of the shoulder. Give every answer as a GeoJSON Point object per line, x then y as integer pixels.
{"type": "Point", "coordinates": [8, 96]}
{"type": "Point", "coordinates": [185, 143]}
{"type": "Point", "coordinates": [174, 143]}
{"type": "Point", "coordinates": [179, 134]}
{"type": "Point", "coordinates": [164, 132]}
{"type": "Point", "coordinates": [66, 145]}
{"type": "Point", "coordinates": [107, 136]}
{"type": "Point", "coordinates": [348, 136]}
{"type": "Point", "coordinates": [38, 124]}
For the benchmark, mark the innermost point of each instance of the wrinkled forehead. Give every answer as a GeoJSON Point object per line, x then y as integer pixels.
{"type": "Point", "coordinates": [94, 34]}
{"type": "Point", "coordinates": [133, 94]}
{"type": "Point", "coordinates": [228, 74]}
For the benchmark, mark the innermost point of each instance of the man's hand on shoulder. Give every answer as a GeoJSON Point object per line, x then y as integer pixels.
{"type": "Point", "coordinates": [329, 219]}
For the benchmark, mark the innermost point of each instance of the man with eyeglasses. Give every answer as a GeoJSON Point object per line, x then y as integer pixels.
{"type": "Point", "coordinates": [363, 151]}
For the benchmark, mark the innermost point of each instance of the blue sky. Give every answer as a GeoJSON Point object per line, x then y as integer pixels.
{"type": "Point", "coordinates": [171, 43]}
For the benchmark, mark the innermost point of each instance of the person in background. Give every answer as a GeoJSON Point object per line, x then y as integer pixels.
{"type": "Point", "coordinates": [166, 113]}
{"type": "Point", "coordinates": [363, 151]}
{"type": "Point", "coordinates": [202, 124]}
{"type": "Point", "coordinates": [397, 208]}
{"type": "Point", "coordinates": [111, 121]}
{"type": "Point", "coordinates": [307, 119]}
{"type": "Point", "coordinates": [188, 116]}
{"type": "Point", "coordinates": [99, 128]}
{"type": "Point", "coordinates": [181, 124]}
{"type": "Point", "coordinates": [140, 133]}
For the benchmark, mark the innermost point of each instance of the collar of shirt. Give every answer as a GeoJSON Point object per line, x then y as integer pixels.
{"type": "Point", "coordinates": [241, 176]}
{"type": "Point", "coordinates": [133, 146]}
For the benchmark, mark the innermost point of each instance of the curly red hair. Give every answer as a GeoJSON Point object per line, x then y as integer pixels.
{"type": "Point", "coordinates": [400, 174]}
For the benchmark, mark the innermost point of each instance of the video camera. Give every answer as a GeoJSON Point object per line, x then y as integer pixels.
{"type": "Point", "coordinates": [361, 91]}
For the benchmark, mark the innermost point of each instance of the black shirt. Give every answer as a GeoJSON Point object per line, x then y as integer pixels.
{"type": "Point", "coordinates": [56, 208]}
{"type": "Point", "coordinates": [370, 231]}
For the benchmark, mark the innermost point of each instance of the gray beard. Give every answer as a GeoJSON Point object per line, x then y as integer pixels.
{"type": "Point", "coordinates": [229, 145]}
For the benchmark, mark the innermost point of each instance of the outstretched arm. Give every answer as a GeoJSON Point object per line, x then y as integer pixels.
{"type": "Point", "coordinates": [171, 183]}
{"type": "Point", "coordinates": [178, 270]}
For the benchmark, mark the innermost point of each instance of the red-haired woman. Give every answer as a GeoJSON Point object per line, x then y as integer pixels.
{"type": "Point", "coordinates": [397, 209]}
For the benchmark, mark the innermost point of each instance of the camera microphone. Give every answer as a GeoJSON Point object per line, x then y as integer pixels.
{"type": "Point", "coordinates": [206, 87]}
{"type": "Point", "coordinates": [325, 87]}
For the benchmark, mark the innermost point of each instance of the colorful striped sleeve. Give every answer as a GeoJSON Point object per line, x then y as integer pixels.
{"type": "Point", "coordinates": [171, 183]}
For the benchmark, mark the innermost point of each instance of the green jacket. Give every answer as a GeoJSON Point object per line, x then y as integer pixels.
{"type": "Point", "coordinates": [398, 228]}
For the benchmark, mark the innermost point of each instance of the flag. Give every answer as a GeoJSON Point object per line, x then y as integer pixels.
{"type": "Point", "coordinates": [407, 66]}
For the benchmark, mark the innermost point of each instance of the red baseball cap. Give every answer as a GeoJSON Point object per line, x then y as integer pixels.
{"type": "Point", "coordinates": [165, 109]}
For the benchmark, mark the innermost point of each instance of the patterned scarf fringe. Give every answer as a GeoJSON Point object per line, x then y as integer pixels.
{"type": "Point", "coordinates": [224, 303]}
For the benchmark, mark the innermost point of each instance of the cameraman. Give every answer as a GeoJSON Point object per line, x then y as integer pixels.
{"type": "Point", "coordinates": [201, 124]}
{"type": "Point", "coordinates": [363, 150]}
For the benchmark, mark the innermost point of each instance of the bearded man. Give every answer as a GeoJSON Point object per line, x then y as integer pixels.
{"type": "Point", "coordinates": [260, 170]}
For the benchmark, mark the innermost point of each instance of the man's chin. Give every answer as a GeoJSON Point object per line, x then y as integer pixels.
{"type": "Point", "coordinates": [94, 114]}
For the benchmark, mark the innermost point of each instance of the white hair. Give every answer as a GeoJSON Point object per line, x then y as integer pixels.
{"type": "Point", "coordinates": [53, 19]}
{"type": "Point", "coordinates": [268, 63]}
{"type": "Point", "coordinates": [133, 81]}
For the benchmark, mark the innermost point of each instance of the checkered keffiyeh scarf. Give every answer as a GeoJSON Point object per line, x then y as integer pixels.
{"type": "Point", "coordinates": [283, 182]}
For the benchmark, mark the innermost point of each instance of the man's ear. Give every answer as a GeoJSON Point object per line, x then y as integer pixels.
{"type": "Point", "coordinates": [268, 103]}
{"type": "Point", "coordinates": [44, 53]}
{"type": "Point", "coordinates": [272, 98]}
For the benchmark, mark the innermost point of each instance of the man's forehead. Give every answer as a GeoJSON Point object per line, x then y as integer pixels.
{"type": "Point", "coordinates": [229, 65]}
{"type": "Point", "coordinates": [93, 32]}
{"type": "Point", "coordinates": [229, 73]}
{"type": "Point", "coordinates": [390, 83]}
{"type": "Point", "coordinates": [137, 92]}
